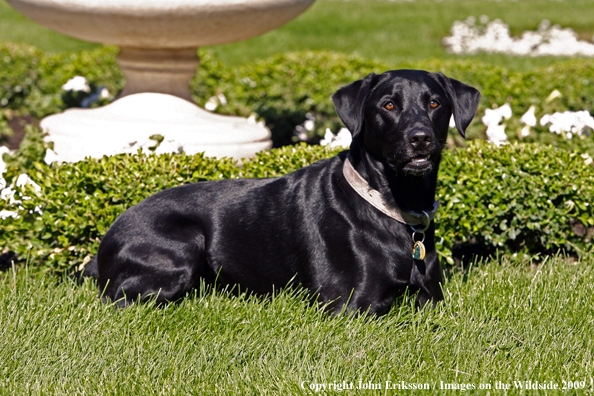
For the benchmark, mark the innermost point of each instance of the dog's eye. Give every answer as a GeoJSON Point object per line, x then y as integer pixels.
{"type": "Point", "coordinates": [434, 104]}
{"type": "Point", "coordinates": [389, 106]}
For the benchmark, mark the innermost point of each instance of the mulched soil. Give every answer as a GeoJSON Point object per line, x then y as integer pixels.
{"type": "Point", "coordinates": [17, 124]}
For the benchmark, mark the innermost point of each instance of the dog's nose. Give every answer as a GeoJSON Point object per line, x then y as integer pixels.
{"type": "Point", "coordinates": [420, 138]}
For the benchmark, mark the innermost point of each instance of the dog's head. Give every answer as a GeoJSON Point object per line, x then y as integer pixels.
{"type": "Point", "coordinates": [401, 117]}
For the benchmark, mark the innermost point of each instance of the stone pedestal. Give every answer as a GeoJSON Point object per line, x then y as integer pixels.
{"type": "Point", "coordinates": [166, 71]}
{"type": "Point", "coordinates": [158, 41]}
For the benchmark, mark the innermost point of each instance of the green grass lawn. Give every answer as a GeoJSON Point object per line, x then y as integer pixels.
{"type": "Point", "coordinates": [393, 32]}
{"type": "Point", "coordinates": [501, 321]}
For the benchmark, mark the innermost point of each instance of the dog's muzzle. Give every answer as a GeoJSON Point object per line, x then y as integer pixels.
{"type": "Point", "coordinates": [419, 165]}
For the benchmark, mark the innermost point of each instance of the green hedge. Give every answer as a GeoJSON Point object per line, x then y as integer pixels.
{"type": "Point", "coordinates": [80, 201]}
{"type": "Point", "coordinates": [520, 198]}
{"type": "Point", "coordinates": [283, 89]}
{"type": "Point", "coordinates": [31, 80]}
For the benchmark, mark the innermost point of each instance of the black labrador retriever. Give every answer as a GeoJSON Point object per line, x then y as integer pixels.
{"type": "Point", "coordinates": [356, 229]}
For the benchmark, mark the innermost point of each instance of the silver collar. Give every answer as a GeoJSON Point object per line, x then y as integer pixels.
{"type": "Point", "coordinates": [374, 197]}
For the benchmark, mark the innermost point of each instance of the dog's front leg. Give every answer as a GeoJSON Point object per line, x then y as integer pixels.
{"type": "Point", "coordinates": [428, 277]}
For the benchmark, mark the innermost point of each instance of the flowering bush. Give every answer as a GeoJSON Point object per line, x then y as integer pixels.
{"type": "Point", "coordinates": [495, 38]}
{"type": "Point", "coordinates": [571, 130]}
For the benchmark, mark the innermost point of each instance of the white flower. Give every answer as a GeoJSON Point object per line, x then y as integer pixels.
{"type": "Point", "coordinates": [553, 95]}
{"type": "Point", "coordinates": [529, 118]}
{"type": "Point", "coordinates": [50, 157]}
{"type": "Point", "coordinates": [8, 194]}
{"type": "Point", "coordinates": [545, 119]}
{"type": "Point", "coordinates": [104, 93]}
{"type": "Point", "coordinates": [342, 139]}
{"type": "Point", "coordinates": [495, 116]}
{"type": "Point", "coordinates": [452, 122]}
{"type": "Point", "coordinates": [525, 131]}
{"type": "Point", "coordinates": [212, 103]}
{"type": "Point", "coordinates": [4, 214]}
{"type": "Point", "coordinates": [77, 84]}
{"type": "Point", "coordinates": [495, 132]}
{"type": "Point", "coordinates": [310, 122]}
{"type": "Point", "coordinates": [328, 136]}
{"type": "Point", "coordinates": [222, 99]}
{"type": "Point", "coordinates": [301, 131]}
{"type": "Point", "coordinates": [24, 179]}
{"type": "Point", "coordinates": [569, 122]}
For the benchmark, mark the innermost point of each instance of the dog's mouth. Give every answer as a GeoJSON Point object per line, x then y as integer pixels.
{"type": "Point", "coordinates": [419, 165]}
{"type": "Point", "coordinates": [420, 159]}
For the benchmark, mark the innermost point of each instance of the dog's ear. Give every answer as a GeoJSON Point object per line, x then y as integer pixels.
{"type": "Point", "coordinates": [349, 102]}
{"type": "Point", "coordinates": [465, 102]}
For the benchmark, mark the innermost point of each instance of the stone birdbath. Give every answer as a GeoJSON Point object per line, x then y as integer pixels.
{"type": "Point", "coordinates": [158, 42]}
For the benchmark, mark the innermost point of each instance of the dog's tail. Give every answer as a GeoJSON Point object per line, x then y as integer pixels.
{"type": "Point", "coordinates": [88, 270]}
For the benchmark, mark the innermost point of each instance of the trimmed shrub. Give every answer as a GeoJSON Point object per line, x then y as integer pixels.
{"type": "Point", "coordinates": [31, 80]}
{"type": "Point", "coordinates": [32, 149]}
{"type": "Point", "coordinates": [284, 89]}
{"type": "Point", "coordinates": [78, 202]}
{"type": "Point", "coordinates": [520, 198]}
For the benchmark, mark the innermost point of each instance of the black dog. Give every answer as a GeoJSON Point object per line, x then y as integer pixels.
{"type": "Point", "coordinates": [342, 227]}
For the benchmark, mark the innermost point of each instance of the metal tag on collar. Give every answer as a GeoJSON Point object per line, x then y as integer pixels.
{"type": "Point", "coordinates": [418, 247]}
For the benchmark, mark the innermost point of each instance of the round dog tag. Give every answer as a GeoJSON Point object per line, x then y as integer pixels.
{"type": "Point", "coordinates": [419, 251]}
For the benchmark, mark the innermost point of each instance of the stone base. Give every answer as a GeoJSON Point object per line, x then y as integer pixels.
{"type": "Point", "coordinates": [127, 124]}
